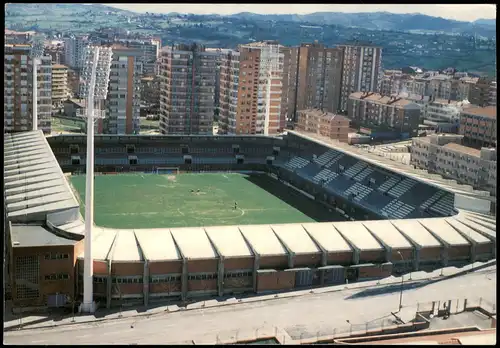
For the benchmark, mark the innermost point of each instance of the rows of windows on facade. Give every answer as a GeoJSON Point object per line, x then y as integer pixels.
{"type": "Point", "coordinates": [256, 88]}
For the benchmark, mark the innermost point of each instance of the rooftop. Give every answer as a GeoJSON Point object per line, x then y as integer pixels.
{"type": "Point", "coordinates": [295, 238]}
{"type": "Point", "coordinates": [444, 231]}
{"type": "Point", "coordinates": [59, 66]}
{"type": "Point", "coordinates": [323, 114]}
{"type": "Point", "coordinates": [463, 149]}
{"type": "Point", "coordinates": [488, 112]}
{"type": "Point", "coordinates": [381, 99]}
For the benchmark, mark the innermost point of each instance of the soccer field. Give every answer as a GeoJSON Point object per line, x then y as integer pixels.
{"type": "Point", "coordinates": [188, 200]}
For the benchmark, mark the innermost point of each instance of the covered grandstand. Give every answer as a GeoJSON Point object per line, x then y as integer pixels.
{"type": "Point", "coordinates": [403, 221]}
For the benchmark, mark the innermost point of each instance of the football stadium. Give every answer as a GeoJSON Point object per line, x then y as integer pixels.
{"type": "Point", "coordinates": [179, 217]}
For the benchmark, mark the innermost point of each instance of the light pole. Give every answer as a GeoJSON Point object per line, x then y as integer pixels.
{"type": "Point", "coordinates": [402, 279]}
{"type": "Point", "coordinates": [94, 86]}
{"type": "Point", "coordinates": [350, 327]}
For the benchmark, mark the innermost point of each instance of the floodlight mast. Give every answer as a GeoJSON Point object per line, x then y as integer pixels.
{"type": "Point", "coordinates": [100, 59]}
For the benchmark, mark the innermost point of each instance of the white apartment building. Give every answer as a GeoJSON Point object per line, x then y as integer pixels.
{"type": "Point", "coordinates": [446, 111]}
{"type": "Point", "coordinates": [73, 51]}
{"type": "Point", "coordinates": [150, 52]}
{"type": "Point", "coordinates": [492, 101]}
{"type": "Point", "coordinates": [18, 89]}
{"type": "Point", "coordinates": [124, 92]}
{"type": "Point", "coordinates": [360, 71]}
{"type": "Point", "coordinates": [228, 91]}
{"type": "Point", "coordinates": [442, 154]}
{"type": "Point", "coordinates": [59, 84]}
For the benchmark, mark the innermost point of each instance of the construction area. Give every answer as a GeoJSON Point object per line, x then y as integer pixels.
{"type": "Point", "coordinates": [197, 199]}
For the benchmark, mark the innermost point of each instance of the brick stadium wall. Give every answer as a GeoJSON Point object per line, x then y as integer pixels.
{"type": "Point", "coordinates": [202, 266]}
{"type": "Point", "coordinates": [376, 271]}
{"type": "Point", "coordinates": [238, 263]}
{"type": "Point", "coordinates": [432, 253]}
{"type": "Point", "coordinates": [127, 289]}
{"type": "Point", "coordinates": [202, 285]}
{"type": "Point", "coordinates": [340, 258]}
{"type": "Point", "coordinates": [238, 283]}
{"type": "Point", "coordinates": [485, 249]}
{"type": "Point", "coordinates": [372, 256]}
{"type": "Point", "coordinates": [307, 260]}
{"type": "Point", "coordinates": [406, 253]}
{"type": "Point", "coordinates": [165, 267]}
{"type": "Point", "coordinates": [275, 281]}
{"type": "Point", "coordinates": [459, 252]}
{"type": "Point", "coordinates": [273, 262]}
{"type": "Point", "coordinates": [168, 287]}
{"type": "Point", "coordinates": [100, 289]}
{"type": "Point", "coordinates": [127, 268]}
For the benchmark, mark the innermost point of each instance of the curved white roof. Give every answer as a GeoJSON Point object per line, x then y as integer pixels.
{"type": "Point", "coordinates": [327, 237]}
{"type": "Point", "coordinates": [415, 232]}
{"type": "Point", "coordinates": [357, 235]}
{"type": "Point", "coordinates": [295, 238]}
{"type": "Point", "coordinates": [387, 234]}
{"type": "Point", "coordinates": [193, 243]}
{"type": "Point", "coordinates": [229, 241]}
{"type": "Point", "coordinates": [440, 228]}
{"type": "Point", "coordinates": [263, 240]}
{"type": "Point", "coordinates": [157, 245]}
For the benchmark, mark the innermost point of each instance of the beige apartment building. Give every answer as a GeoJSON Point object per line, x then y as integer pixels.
{"type": "Point", "coordinates": [385, 113]}
{"type": "Point", "coordinates": [59, 84]}
{"type": "Point", "coordinates": [323, 123]}
{"type": "Point", "coordinates": [360, 71]}
{"type": "Point", "coordinates": [478, 125]}
{"type": "Point", "coordinates": [251, 85]}
{"type": "Point", "coordinates": [187, 88]}
{"type": "Point", "coordinates": [443, 154]}
{"type": "Point", "coordinates": [319, 77]}
{"type": "Point", "coordinates": [18, 90]}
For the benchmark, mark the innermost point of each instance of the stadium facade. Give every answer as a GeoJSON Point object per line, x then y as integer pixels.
{"type": "Point", "coordinates": [404, 221]}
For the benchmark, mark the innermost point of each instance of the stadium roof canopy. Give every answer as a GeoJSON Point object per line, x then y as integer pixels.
{"type": "Point", "coordinates": [384, 231]}
{"type": "Point", "coordinates": [357, 235]}
{"type": "Point", "coordinates": [327, 237]}
{"type": "Point", "coordinates": [35, 186]}
{"type": "Point", "coordinates": [228, 241]}
{"type": "Point", "coordinates": [295, 238]}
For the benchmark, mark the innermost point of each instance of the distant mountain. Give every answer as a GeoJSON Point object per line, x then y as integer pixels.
{"type": "Point", "coordinates": [483, 21]}
{"type": "Point", "coordinates": [68, 8]}
{"type": "Point", "coordinates": [383, 21]}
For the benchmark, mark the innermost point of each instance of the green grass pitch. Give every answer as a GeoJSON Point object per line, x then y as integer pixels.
{"type": "Point", "coordinates": [189, 200]}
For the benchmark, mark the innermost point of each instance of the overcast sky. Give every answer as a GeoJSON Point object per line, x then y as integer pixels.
{"type": "Point", "coordinates": [450, 11]}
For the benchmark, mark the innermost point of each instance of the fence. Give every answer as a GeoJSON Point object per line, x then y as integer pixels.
{"type": "Point", "coordinates": [384, 325]}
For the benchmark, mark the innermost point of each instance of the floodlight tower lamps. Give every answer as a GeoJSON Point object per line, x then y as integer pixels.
{"type": "Point", "coordinates": [95, 92]}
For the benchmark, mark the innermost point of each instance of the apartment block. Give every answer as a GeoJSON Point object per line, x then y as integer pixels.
{"type": "Point", "coordinates": [187, 88]}
{"type": "Point", "coordinates": [323, 123]}
{"type": "Point", "coordinates": [150, 52]}
{"type": "Point", "coordinates": [59, 84]}
{"type": "Point", "coordinates": [360, 71]}
{"type": "Point", "coordinates": [384, 113]}
{"type": "Point", "coordinates": [478, 125]}
{"type": "Point", "coordinates": [229, 76]}
{"type": "Point", "coordinates": [319, 77]}
{"type": "Point", "coordinates": [150, 94]}
{"type": "Point", "coordinates": [479, 93]}
{"type": "Point", "coordinates": [444, 112]}
{"type": "Point", "coordinates": [251, 85]}
{"type": "Point", "coordinates": [124, 92]}
{"type": "Point", "coordinates": [18, 89]}
{"type": "Point", "coordinates": [289, 85]}
{"type": "Point", "coordinates": [443, 154]}
{"type": "Point", "coordinates": [73, 51]}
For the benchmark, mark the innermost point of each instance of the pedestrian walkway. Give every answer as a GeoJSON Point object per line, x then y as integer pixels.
{"type": "Point", "coordinates": [27, 321]}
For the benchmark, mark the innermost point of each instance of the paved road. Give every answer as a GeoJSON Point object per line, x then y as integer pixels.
{"type": "Point", "coordinates": [300, 316]}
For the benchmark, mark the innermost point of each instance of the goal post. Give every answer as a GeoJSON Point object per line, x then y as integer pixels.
{"type": "Point", "coordinates": [167, 170]}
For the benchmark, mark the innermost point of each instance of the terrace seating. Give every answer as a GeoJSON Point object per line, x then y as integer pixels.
{"type": "Point", "coordinates": [309, 171]}
{"type": "Point", "coordinates": [339, 185]}
{"type": "Point", "coordinates": [296, 163]}
{"type": "Point", "coordinates": [402, 187]}
{"type": "Point", "coordinates": [397, 209]}
{"type": "Point", "coordinates": [445, 205]}
{"type": "Point", "coordinates": [335, 160]}
{"type": "Point", "coordinates": [355, 169]}
{"type": "Point", "coordinates": [359, 190]}
{"type": "Point", "coordinates": [326, 157]}
{"type": "Point", "coordinates": [388, 184]}
{"type": "Point", "coordinates": [324, 176]}
{"type": "Point", "coordinates": [363, 174]}
{"type": "Point", "coordinates": [433, 199]}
